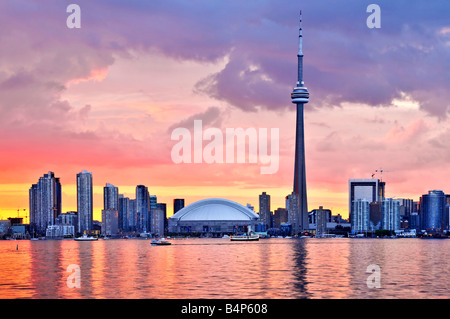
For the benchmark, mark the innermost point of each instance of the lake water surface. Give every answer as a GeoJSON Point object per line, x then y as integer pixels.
{"type": "Point", "coordinates": [218, 268]}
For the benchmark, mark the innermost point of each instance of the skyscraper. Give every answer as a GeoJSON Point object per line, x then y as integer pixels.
{"type": "Point", "coordinates": [45, 202]}
{"type": "Point", "coordinates": [360, 218]}
{"type": "Point", "coordinates": [391, 214]}
{"type": "Point", "coordinates": [371, 190]}
{"type": "Point", "coordinates": [178, 203]}
{"type": "Point", "coordinates": [132, 219]}
{"type": "Point", "coordinates": [153, 201]}
{"type": "Point", "coordinates": [157, 222]}
{"type": "Point", "coordinates": [84, 201]}
{"type": "Point", "coordinates": [142, 208]}
{"type": "Point", "coordinates": [432, 212]}
{"type": "Point", "coordinates": [300, 96]}
{"type": "Point", "coordinates": [110, 197]}
{"type": "Point", "coordinates": [111, 205]}
{"type": "Point", "coordinates": [124, 213]}
{"type": "Point", "coordinates": [264, 211]}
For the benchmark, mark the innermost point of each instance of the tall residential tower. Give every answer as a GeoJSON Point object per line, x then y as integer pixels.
{"type": "Point", "coordinates": [300, 96]}
{"type": "Point", "coordinates": [45, 203]}
{"type": "Point", "coordinates": [85, 202]}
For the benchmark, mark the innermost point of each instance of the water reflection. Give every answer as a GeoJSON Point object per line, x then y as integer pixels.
{"type": "Point", "coordinates": [300, 257]}
{"type": "Point", "coordinates": [217, 268]}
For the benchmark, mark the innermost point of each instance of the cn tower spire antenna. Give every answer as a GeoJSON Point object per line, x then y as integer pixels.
{"type": "Point", "coordinates": [300, 52]}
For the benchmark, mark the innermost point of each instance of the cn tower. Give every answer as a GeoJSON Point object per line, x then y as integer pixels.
{"type": "Point", "coordinates": [300, 96]}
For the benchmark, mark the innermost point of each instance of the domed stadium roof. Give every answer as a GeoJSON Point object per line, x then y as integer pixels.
{"type": "Point", "coordinates": [215, 209]}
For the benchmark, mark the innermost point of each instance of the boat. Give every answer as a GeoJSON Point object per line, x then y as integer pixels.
{"type": "Point", "coordinates": [160, 242]}
{"type": "Point", "coordinates": [251, 237]}
{"type": "Point", "coordinates": [86, 238]}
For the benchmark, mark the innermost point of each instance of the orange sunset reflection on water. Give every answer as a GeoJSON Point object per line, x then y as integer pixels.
{"type": "Point", "coordinates": [217, 268]}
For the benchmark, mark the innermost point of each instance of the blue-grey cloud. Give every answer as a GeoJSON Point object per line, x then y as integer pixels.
{"type": "Point", "coordinates": [345, 61]}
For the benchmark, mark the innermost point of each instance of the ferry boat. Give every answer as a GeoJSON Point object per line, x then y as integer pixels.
{"type": "Point", "coordinates": [251, 237]}
{"type": "Point", "coordinates": [86, 238]}
{"type": "Point", "coordinates": [160, 242]}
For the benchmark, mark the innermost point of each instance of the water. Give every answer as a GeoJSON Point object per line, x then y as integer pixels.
{"type": "Point", "coordinates": [219, 268]}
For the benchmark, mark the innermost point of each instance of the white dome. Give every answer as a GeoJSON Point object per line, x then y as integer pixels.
{"type": "Point", "coordinates": [215, 209]}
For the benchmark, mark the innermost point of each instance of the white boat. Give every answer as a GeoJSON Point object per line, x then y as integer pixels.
{"type": "Point", "coordinates": [161, 242]}
{"type": "Point", "coordinates": [85, 238]}
{"type": "Point", "coordinates": [251, 237]}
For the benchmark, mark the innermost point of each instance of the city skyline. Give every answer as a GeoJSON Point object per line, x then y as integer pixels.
{"type": "Point", "coordinates": [371, 211]}
{"type": "Point", "coordinates": [101, 98]}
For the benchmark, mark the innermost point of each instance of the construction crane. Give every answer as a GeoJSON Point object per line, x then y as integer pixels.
{"type": "Point", "coordinates": [18, 212]}
{"type": "Point", "coordinates": [381, 173]}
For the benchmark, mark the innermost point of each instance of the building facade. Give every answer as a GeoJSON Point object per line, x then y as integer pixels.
{"type": "Point", "coordinates": [299, 222]}
{"type": "Point", "coordinates": [264, 211]}
{"type": "Point", "coordinates": [142, 209]}
{"type": "Point", "coordinates": [157, 222]}
{"type": "Point", "coordinates": [391, 214]}
{"type": "Point", "coordinates": [110, 197]}
{"type": "Point", "coordinates": [280, 216]}
{"type": "Point", "coordinates": [85, 207]}
{"type": "Point", "coordinates": [124, 211]}
{"type": "Point", "coordinates": [132, 219]}
{"type": "Point", "coordinates": [360, 216]}
{"type": "Point", "coordinates": [433, 215]}
{"type": "Point", "coordinates": [371, 190]}
{"type": "Point", "coordinates": [110, 222]}
{"type": "Point", "coordinates": [178, 203]}
{"type": "Point", "coordinates": [44, 203]}
{"type": "Point", "coordinates": [322, 217]}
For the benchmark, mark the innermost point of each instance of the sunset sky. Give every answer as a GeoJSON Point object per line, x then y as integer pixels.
{"type": "Point", "coordinates": [106, 97]}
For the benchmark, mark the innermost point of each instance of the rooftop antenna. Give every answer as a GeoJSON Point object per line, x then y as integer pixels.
{"type": "Point", "coordinates": [300, 52]}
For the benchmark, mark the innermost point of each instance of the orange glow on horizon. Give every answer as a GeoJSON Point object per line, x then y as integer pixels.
{"type": "Point", "coordinates": [18, 193]}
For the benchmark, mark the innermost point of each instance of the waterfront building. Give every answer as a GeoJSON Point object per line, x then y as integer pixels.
{"type": "Point", "coordinates": [163, 207]}
{"type": "Point", "coordinates": [132, 219]}
{"type": "Point", "coordinates": [375, 216]}
{"type": "Point", "coordinates": [321, 218]}
{"type": "Point", "coordinates": [264, 211]}
{"type": "Point", "coordinates": [60, 231]}
{"type": "Point", "coordinates": [142, 209]}
{"type": "Point", "coordinates": [292, 203]}
{"type": "Point", "coordinates": [110, 197]}
{"type": "Point", "coordinates": [406, 207]}
{"type": "Point", "coordinates": [85, 207]}
{"type": "Point", "coordinates": [70, 219]}
{"type": "Point", "coordinates": [414, 221]}
{"type": "Point", "coordinates": [157, 222]}
{"type": "Point", "coordinates": [432, 212]}
{"type": "Point", "coordinates": [391, 214]}
{"type": "Point", "coordinates": [312, 216]}
{"type": "Point", "coordinates": [44, 202]}
{"type": "Point", "coordinates": [280, 215]}
{"type": "Point", "coordinates": [300, 96]}
{"type": "Point", "coordinates": [213, 217]}
{"type": "Point", "coordinates": [153, 201]}
{"type": "Point", "coordinates": [371, 190]}
{"type": "Point", "coordinates": [360, 216]}
{"type": "Point", "coordinates": [178, 203]}
{"type": "Point", "coordinates": [110, 222]}
{"type": "Point", "coordinates": [124, 211]}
